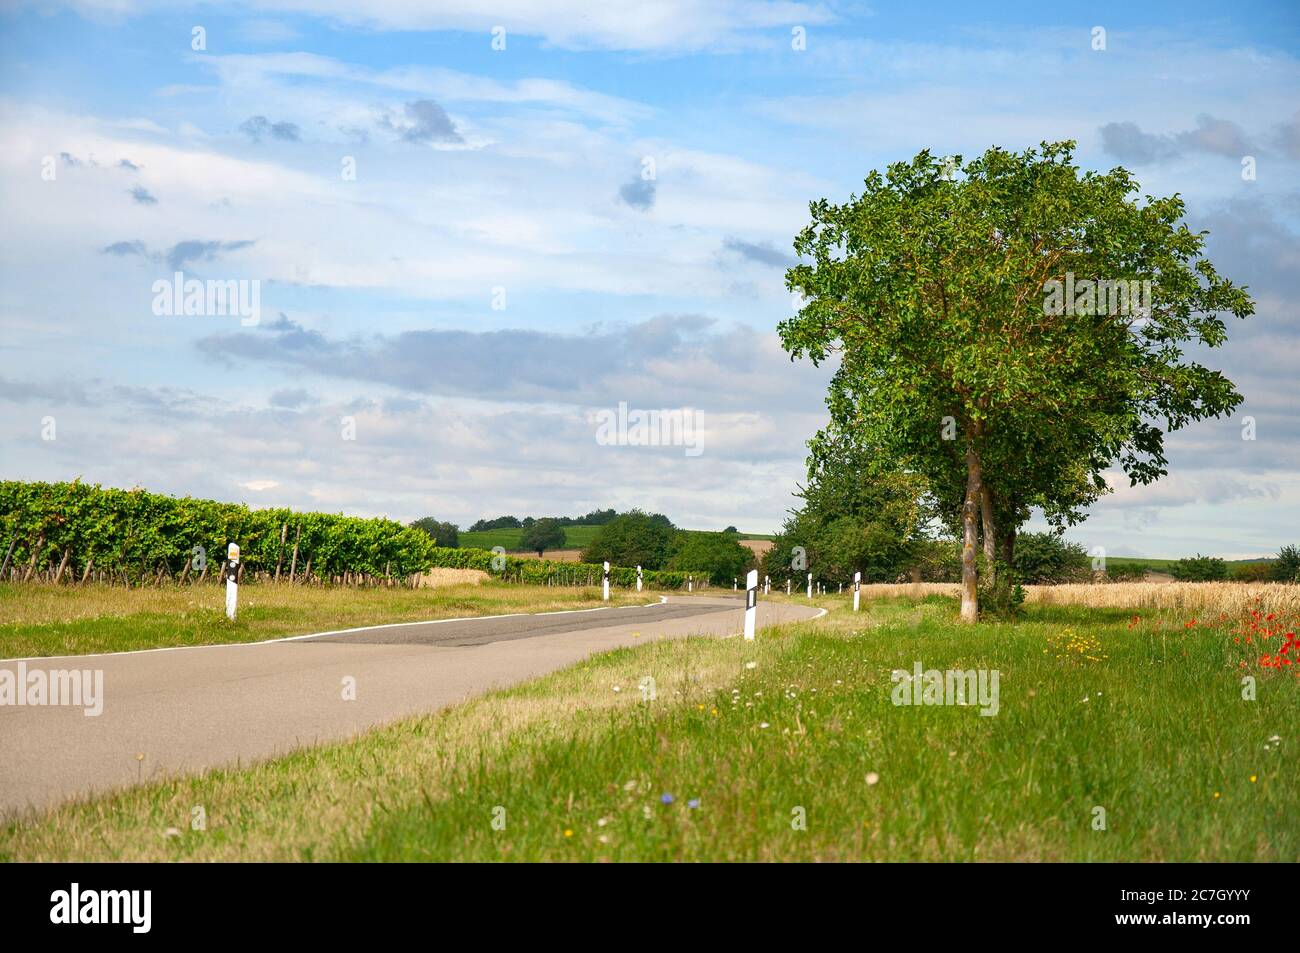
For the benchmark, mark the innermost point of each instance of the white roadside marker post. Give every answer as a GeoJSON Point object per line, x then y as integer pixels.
{"type": "Point", "coordinates": [690, 583]}
{"type": "Point", "coordinates": [232, 577]}
{"type": "Point", "coordinates": [787, 587]}
{"type": "Point", "coordinates": [733, 583]}
{"type": "Point", "coordinates": [605, 595]}
{"type": "Point", "coordinates": [857, 585]}
{"type": "Point", "coordinates": [638, 578]}
{"type": "Point", "coordinates": [810, 585]}
{"type": "Point", "coordinates": [751, 603]}
{"type": "Point", "coordinates": [767, 585]}
{"type": "Point", "coordinates": [841, 589]}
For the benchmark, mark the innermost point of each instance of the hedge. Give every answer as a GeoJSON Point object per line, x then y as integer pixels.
{"type": "Point", "coordinates": [72, 531]}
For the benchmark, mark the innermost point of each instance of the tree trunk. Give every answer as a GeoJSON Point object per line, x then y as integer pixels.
{"type": "Point", "coordinates": [293, 563]}
{"type": "Point", "coordinates": [36, 552]}
{"type": "Point", "coordinates": [1008, 545]}
{"type": "Point", "coordinates": [67, 552]}
{"type": "Point", "coordinates": [5, 570]}
{"type": "Point", "coordinates": [970, 537]}
{"type": "Point", "coordinates": [284, 534]}
{"type": "Point", "coordinates": [986, 518]}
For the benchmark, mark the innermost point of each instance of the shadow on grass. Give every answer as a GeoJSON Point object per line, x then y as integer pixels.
{"type": "Point", "coordinates": [1061, 614]}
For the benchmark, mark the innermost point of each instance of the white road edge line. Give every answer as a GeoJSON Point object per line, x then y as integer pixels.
{"type": "Point", "coordinates": [313, 635]}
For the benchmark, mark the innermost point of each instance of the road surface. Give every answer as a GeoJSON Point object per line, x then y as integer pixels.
{"type": "Point", "coordinates": [189, 709]}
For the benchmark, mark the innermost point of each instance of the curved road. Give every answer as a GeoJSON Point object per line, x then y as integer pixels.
{"type": "Point", "coordinates": [189, 709]}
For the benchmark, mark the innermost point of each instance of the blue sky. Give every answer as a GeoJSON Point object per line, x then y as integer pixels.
{"type": "Point", "coordinates": [515, 177]}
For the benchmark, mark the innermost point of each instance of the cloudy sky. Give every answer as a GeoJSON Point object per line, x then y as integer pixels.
{"type": "Point", "coordinates": [471, 251]}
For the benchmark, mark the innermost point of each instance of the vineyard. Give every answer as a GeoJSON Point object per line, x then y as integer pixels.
{"type": "Point", "coordinates": [70, 533]}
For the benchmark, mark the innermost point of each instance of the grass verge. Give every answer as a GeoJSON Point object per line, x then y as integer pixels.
{"type": "Point", "coordinates": [42, 620]}
{"type": "Point", "coordinates": [787, 748]}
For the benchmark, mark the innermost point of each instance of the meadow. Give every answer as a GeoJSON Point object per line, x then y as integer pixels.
{"type": "Point", "coordinates": [1122, 733]}
{"type": "Point", "coordinates": [575, 537]}
{"type": "Point", "coordinates": [38, 619]}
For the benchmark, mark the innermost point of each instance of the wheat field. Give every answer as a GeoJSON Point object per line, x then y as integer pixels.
{"type": "Point", "coordinates": [1230, 598]}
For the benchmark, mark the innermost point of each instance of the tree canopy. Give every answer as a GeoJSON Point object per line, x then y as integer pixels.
{"type": "Point", "coordinates": [632, 539]}
{"type": "Point", "coordinates": [443, 534]}
{"type": "Point", "coordinates": [1010, 328]}
{"type": "Point", "coordinates": [857, 516]}
{"type": "Point", "coordinates": [717, 556]}
{"type": "Point", "coordinates": [542, 535]}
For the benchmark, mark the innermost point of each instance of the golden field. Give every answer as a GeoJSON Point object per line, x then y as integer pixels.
{"type": "Point", "coordinates": [1231, 598]}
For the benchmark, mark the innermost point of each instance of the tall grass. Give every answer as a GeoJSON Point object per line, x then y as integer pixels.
{"type": "Point", "coordinates": [1229, 598]}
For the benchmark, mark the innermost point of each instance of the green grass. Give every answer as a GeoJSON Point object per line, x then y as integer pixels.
{"type": "Point", "coordinates": [38, 619]}
{"type": "Point", "coordinates": [575, 537]}
{"type": "Point", "coordinates": [1155, 732]}
{"type": "Point", "coordinates": [1163, 565]}
{"type": "Point", "coordinates": [1155, 565]}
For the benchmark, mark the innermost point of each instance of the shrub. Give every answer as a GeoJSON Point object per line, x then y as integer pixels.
{"type": "Point", "coordinates": [1000, 594]}
{"type": "Point", "coordinates": [1286, 568]}
{"type": "Point", "coordinates": [1125, 572]}
{"type": "Point", "coordinates": [632, 539]}
{"type": "Point", "coordinates": [1045, 558]}
{"type": "Point", "coordinates": [1251, 572]}
{"type": "Point", "coordinates": [543, 571]}
{"type": "Point", "coordinates": [715, 555]}
{"type": "Point", "coordinates": [1199, 569]}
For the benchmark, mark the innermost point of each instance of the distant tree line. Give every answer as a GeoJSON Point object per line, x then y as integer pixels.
{"type": "Point", "coordinates": [860, 514]}
{"type": "Point", "coordinates": [594, 518]}
{"type": "Point", "coordinates": [1285, 567]}
{"type": "Point", "coordinates": [442, 534]}
{"type": "Point", "coordinates": [651, 541]}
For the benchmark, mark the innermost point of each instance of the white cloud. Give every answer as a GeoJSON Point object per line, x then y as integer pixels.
{"type": "Point", "coordinates": [665, 26]}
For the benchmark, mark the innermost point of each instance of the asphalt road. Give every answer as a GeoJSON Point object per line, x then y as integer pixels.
{"type": "Point", "coordinates": [180, 711]}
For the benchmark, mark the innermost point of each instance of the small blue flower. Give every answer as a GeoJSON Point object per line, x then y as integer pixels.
{"type": "Point", "coordinates": [666, 799]}
{"type": "Point", "coordinates": [693, 803]}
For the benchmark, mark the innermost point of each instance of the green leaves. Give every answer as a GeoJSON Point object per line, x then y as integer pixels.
{"type": "Point", "coordinates": [134, 533]}
{"type": "Point", "coordinates": [932, 291]}
{"type": "Point", "coordinates": [542, 535]}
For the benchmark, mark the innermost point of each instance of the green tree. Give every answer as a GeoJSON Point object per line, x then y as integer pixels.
{"type": "Point", "coordinates": [1199, 569]}
{"type": "Point", "coordinates": [1259, 571]}
{"type": "Point", "coordinates": [442, 534]}
{"type": "Point", "coordinates": [1125, 572]}
{"type": "Point", "coordinates": [1044, 558]}
{"type": "Point", "coordinates": [984, 319]}
{"type": "Point", "coordinates": [500, 522]}
{"type": "Point", "coordinates": [1286, 568]}
{"type": "Point", "coordinates": [632, 539]}
{"type": "Point", "coordinates": [542, 535]}
{"type": "Point", "coordinates": [857, 516]}
{"type": "Point", "coordinates": [715, 555]}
